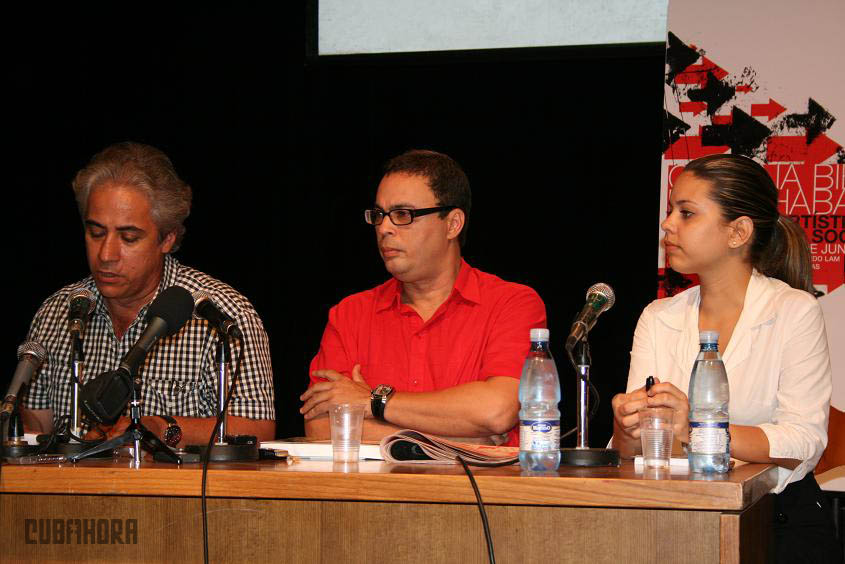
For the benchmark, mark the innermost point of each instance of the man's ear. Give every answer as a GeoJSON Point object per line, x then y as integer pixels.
{"type": "Point", "coordinates": [168, 242]}
{"type": "Point", "coordinates": [455, 220]}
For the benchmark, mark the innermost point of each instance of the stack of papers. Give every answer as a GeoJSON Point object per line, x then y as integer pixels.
{"type": "Point", "coordinates": [320, 450]}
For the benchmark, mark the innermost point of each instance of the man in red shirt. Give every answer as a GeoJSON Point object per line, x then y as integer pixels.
{"type": "Point", "coordinates": [439, 347]}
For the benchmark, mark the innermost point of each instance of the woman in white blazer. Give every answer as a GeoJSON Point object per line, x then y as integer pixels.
{"type": "Point", "coordinates": [756, 290]}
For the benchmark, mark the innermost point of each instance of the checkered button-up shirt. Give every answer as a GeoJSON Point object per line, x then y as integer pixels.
{"type": "Point", "coordinates": [179, 373]}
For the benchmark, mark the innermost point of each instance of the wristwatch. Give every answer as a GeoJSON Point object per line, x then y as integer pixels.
{"type": "Point", "coordinates": [173, 434]}
{"type": "Point", "coordinates": [378, 400]}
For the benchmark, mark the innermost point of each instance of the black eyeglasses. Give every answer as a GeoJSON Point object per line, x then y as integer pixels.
{"type": "Point", "coordinates": [401, 216]}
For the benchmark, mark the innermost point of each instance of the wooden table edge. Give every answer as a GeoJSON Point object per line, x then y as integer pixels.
{"type": "Point", "coordinates": [417, 486]}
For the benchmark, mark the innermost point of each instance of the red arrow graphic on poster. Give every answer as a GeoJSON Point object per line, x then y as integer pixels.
{"type": "Point", "coordinates": [694, 108]}
{"type": "Point", "coordinates": [690, 147]}
{"type": "Point", "coordinates": [795, 149]}
{"type": "Point", "coordinates": [770, 110]}
{"type": "Point", "coordinates": [697, 74]}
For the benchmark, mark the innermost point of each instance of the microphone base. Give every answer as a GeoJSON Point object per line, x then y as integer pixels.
{"type": "Point", "coordinates": [16, 451]}
{"type": "Point", "coordinates": [589, 457]}
{"type": "Point", "coordinates": [227, 452]}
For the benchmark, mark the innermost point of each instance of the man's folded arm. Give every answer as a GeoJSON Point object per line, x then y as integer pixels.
{"type": "Point", "coordinates": [475, 409]}
{"type": "Point", "coordinates": [197, 430]}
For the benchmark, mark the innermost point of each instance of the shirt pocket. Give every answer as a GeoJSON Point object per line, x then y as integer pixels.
{"type": "Point", "coordinates": [181, 398]}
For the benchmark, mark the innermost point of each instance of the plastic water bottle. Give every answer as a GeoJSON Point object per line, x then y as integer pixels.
{"type": "Point", "coordinates": [709, 394]}
{"type": "Point", "coordinates": [539, 417]}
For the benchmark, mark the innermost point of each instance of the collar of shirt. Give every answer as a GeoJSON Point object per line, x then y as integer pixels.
{"type": "Point", "coordinates": [759, 307]}
{"type": "Point", "coordinates": [466, 286]}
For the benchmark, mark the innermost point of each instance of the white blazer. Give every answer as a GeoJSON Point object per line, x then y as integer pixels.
{"type": "Point", "coordinates": [777, 362]}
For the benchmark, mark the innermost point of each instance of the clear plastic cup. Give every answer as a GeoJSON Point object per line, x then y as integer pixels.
{"type": "Point", "coordinates": [347, 423]}
{"type": "Point", "coordinates": [656, 435]}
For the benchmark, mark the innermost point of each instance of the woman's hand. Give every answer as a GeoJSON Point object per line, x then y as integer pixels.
{"type": "Point", "coordinates": [626, 421]}
{"type": "Point", "coordinates": [664, 394]}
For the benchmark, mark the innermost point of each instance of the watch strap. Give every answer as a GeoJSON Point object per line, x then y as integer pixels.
{"type": "Point", "coordinates": [170, 420]}
{"type": "Point", "coordinates": [378, 401]}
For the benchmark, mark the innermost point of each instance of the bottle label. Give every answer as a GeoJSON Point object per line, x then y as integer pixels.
{"type": "Point", "coordinates": [710, 437]}
{"type": "Point", "coordinates": [539, 435]}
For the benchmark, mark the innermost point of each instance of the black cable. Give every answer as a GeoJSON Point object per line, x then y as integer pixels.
{"type": "Point", "coordinates": [45, 446]}
{"type": "Point", "coordinates": [207, 456]}
{"type": "Point", "coordinates": [491, 556]}
{"type": "Point", "coordinates": [62, 428]}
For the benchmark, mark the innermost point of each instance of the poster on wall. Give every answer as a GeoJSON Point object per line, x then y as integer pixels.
{"type": "Point", "coordinates": [766, 80]}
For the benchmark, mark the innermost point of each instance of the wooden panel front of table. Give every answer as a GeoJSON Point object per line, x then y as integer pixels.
{"type": "Point", "coordinates": [313, 511]}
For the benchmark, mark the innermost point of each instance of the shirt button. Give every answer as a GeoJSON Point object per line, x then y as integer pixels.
{"type": "Point", "coordinates": [781, 518]}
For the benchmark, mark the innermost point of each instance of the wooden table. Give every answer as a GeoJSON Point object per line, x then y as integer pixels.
{"type": "Point", "coordinates": [314, 511]}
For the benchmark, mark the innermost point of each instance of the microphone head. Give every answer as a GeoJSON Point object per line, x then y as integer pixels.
{"type": "Point", "coordinates": [81, 294]}
{"type": "Point", "coordinates": [34, 349]}
{"type": "Point", "coordinates": [175, 306]}
{"type": "Point", "coordinates": [199, 297]}
{"type": "Point", "coordinates": [80, 304]}
{"type": "Point", "coordinates": [604, 293]}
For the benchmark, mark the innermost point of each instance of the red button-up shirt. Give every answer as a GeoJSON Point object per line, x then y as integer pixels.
{"type": "Point", "coordinates": [481, 330]}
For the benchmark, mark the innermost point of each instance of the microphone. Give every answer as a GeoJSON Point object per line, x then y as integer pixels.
{"type": "Point", "coordinates": [80, 305]}
{"type": "Point", "coordinates": [30, 356]}
{"type": "Point", "coordinates": [600, 298]}
{"type": "Point", "coordinates": [165, 317]}
{"type": "Point", "coordinates": [206, 309]}
{"type": "Point", "coordinates": [105, 397]}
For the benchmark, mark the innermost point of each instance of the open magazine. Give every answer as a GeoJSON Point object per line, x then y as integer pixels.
{"type": "Point", "coordinates": [407, 446]}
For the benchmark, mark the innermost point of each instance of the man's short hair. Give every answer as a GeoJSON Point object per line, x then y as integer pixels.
{"type": "Point", "coordinates": [144, 168]}
{"type": "Point", "coordinates": [443, 175]}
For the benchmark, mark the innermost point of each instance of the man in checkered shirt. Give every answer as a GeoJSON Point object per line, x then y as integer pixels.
{"type": "Point", "coordinates": [133, 206]}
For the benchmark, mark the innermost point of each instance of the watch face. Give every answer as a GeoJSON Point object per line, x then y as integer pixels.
{"type": "Point", "coordinates": [383, 390]}
{"type": "Point", "coordinates": [172, 435]}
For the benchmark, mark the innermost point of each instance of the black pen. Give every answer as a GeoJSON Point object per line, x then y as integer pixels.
{"type": "Point", "coordinates": [649, 382]}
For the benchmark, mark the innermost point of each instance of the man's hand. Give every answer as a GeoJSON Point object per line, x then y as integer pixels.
{"type": "Point", "coordinates": [111, 431]}
{"type": "Point", "coordinates": [119, 427]}
{"type": "Point", "coordinates": [336, 389]}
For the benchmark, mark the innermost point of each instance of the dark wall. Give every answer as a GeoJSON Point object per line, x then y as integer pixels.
{"type": "Point", "coordinates": [562, 148]}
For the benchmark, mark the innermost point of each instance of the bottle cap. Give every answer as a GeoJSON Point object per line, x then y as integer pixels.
{"type": "Point", "coordinates": [708, 337]}
{"type": "Point", "coordinates": [539, 335]}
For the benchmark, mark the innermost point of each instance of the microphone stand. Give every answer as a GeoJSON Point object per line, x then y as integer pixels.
{"type": "Point", "coordinates": [136, 432]}
{"type": "Point", "coordinates": [226, 448]}
{"type": "Point", "coordinates": [582, 454]}
{"type": "Point", "coordinates": [223, 354]}
{"type": "Point", "coordinates": [77, 362]}
{"type": "Point", "coordinates": [68, 442]}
